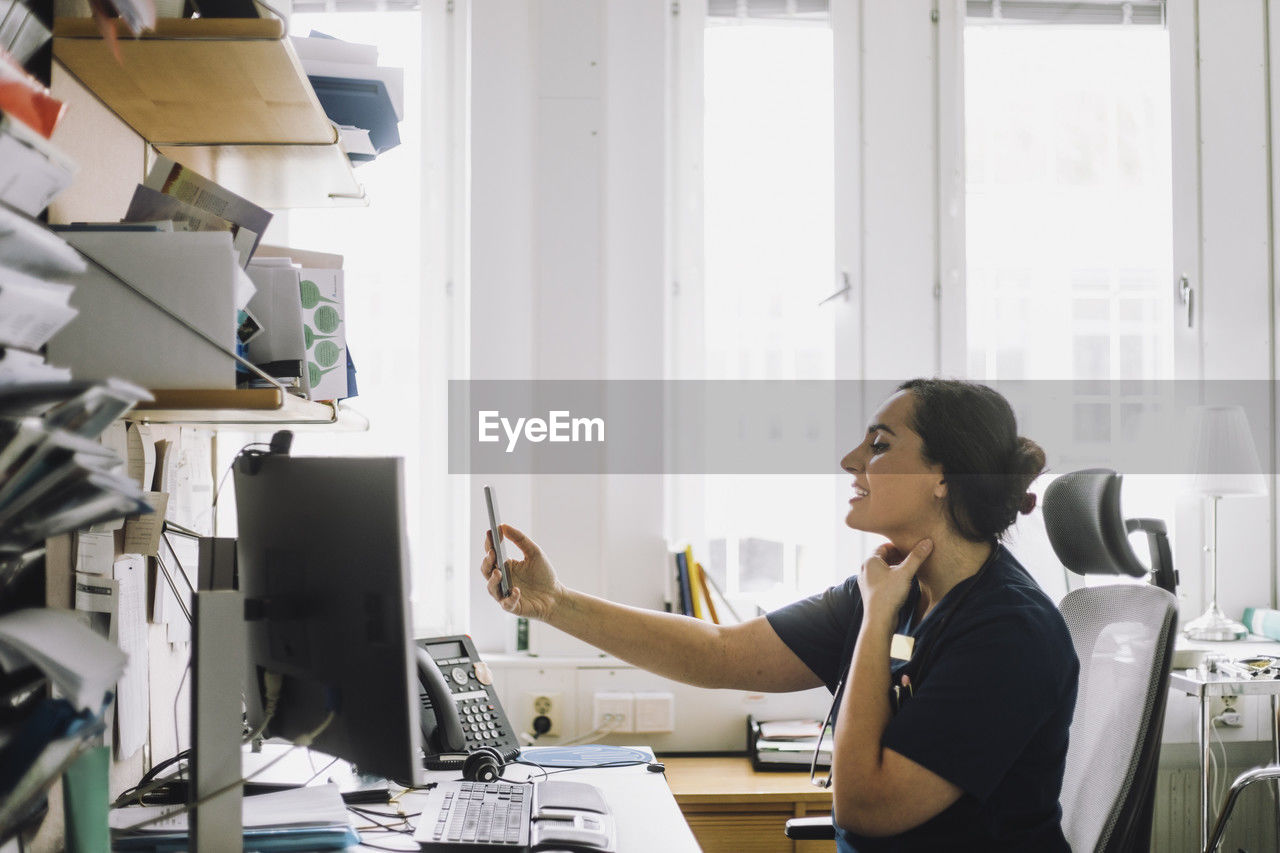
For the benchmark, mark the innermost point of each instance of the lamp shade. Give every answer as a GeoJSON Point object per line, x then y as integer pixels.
{"type": "Point", "coordinates": [1224, 459]}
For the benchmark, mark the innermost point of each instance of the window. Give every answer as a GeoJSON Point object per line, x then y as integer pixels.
{"type": "Point", "coordinates": [382, 249]}
{"type": "Point", "coordinates": [1069, 225]}
{"type": "Point", "coordinates": [768, 248]}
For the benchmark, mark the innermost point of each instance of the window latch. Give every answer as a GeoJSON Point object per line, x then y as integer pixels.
{"type": "Point", "coordinates": [843, 291]}
{"type": "Point", "coordinates": [1186, 295]}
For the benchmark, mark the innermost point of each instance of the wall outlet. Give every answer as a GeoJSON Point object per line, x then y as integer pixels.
{"type": "Point", "coordinates": [655, 712]}
{"type": "Point", "coordinates": [613, 712]}
{"type": "Point", "coordinates": [543, 712]}
{"type": "Point", "coordinates": [1225, 711]}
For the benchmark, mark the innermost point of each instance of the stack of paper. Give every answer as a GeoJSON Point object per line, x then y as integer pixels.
{"type": "Point", "coordinates": [787, 743]}
{"type": "Point", "coordinates": [313, 818]}
{"type": "Point", "coordinates": [40, 736]}
{"type": "Point", "coordinates": [363, 99]}
{"type": "Point", "coordinates": [34, 298]}
{"type": "Point", "coordinates": [83, 666]}
{"type": "Point", "coordinates": [22, 33]}
{"type": "Point", "coordinates": [299, 302]}
{"type": "Point", "coordinates": [54, 476]}
{"type": "Point", "coordinates": [172, 192]}
{"type": "Point", "coordinates": [32, 170]}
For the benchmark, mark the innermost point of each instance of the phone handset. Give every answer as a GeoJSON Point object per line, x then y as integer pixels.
{"type": "Point", "coordinates": [448, 735]}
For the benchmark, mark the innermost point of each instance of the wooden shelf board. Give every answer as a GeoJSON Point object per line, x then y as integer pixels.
{"type": "Point", "coordinates": [201, 86]}
{"type": "Point", "coordinates": [254, 406]}
{"type": "Point", "coordinates": [225, 97]}
{"type": "Point", "coordinates": [178, 28]}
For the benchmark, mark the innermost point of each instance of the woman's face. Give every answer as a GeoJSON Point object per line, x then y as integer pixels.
{"type": "Point", "coordinates": [896, 493]}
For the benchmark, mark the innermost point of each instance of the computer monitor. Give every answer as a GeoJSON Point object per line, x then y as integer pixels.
{"type": "Point", "coordinates": [323, 564]}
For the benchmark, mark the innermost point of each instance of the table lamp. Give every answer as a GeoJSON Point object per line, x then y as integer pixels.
{"type": "Point", "coordinates": [1224, 464]}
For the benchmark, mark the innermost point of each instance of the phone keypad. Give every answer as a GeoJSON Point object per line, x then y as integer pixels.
{"type": "Point", "coordinates": [479, 721]}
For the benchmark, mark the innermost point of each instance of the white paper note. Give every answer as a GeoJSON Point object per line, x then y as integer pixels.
{"type": "Point", "coordinates": [95, 552]}
{"type": "Point", "coordinates": [131, 633]}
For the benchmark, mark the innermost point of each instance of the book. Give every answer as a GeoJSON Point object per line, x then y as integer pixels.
{"type": "Point", "coordinates": [695, 590]}
{"type": "Point", "coordinates": [682, 584]}
{"type": "Point", "coordinates": [704, 592]}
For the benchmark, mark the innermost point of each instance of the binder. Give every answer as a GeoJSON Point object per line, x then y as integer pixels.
{"type": "Point", "coordinates": [119, 333]}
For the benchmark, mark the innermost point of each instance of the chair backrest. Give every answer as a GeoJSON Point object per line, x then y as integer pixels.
{"type": "Point", "coordinates": [1123, 636]}
{"type": "Point", "coordinates": [1091, 537]}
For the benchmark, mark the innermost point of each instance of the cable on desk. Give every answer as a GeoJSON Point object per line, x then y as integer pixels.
{"type": "Point", "coordinates": [414, 849]}
{"type": "Point", "coordinates": [402, 819]}
{"type": "Point", "coordinates": [303, 741]}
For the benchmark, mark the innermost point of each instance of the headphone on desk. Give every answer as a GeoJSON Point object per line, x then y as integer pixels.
{"type": "Point", "coordinates": [484, 765]}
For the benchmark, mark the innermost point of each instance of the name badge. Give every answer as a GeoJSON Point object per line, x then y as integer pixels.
{"type": "Point", "coordinates": [901, 647]}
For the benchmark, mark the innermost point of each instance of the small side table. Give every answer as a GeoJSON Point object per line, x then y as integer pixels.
{"type": "Point", "coordinates": [1215, 685]}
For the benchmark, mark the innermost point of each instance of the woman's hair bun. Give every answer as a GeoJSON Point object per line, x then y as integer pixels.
{"type": "Point", "coordinates": [1028, 459]}
{"type": "Point", "coordinates": [971, 431]}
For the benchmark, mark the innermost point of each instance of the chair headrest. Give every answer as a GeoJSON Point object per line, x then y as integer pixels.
{"type": "Point", "coordinates": [1086, 530]}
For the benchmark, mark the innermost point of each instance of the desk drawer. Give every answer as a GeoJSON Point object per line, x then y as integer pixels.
{"type": "Point", "coordinates": [748, 827]}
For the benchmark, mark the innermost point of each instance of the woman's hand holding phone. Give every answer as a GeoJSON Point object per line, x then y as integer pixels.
{"type": "Point", "coordinates": [535, 591]}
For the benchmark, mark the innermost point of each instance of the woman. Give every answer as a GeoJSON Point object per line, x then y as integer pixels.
{"type": "Point", "coordinates": [954, 675]}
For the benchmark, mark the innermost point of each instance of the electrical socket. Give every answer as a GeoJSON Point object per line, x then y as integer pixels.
{"type": "Point", "coordinates": [655, 712]}
{"type": "Point", "coordinates": [614, 712]}
{"type": "Point", "coordinates": [1225, 711]}
{"type": "Point", "coordinates": [543, 705]}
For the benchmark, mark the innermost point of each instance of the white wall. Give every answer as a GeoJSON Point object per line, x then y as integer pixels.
{"type": "Point", "coordinates": [568, 259]}
{"type": "Point", "coordinates": [1225, 242]}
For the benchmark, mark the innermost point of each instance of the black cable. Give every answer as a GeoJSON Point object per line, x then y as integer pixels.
{"type": "Point", "coordinates": [362, 810]}
{"type": "Point", "coordinates": [388, 827]}
{"type": "Point", "coordinates": [412, 849]}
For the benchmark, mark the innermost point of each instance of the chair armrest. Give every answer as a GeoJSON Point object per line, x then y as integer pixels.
{"type": "Point", "coordinates": [811, 828]}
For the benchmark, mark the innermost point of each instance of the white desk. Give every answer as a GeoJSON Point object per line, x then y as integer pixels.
{"type": "Point", "coordinates": [644, 811]}
{"type": "Point", "coordinates": [1214, 685]}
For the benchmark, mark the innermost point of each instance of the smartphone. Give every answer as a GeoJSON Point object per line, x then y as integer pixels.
{"type": "Point", "coordinates": [495, 531]}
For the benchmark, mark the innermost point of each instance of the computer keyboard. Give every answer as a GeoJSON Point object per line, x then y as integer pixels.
{"type": "Point", "coordinates": [515, 816]}
{"type": "Point", "coordinates": [476, 815]}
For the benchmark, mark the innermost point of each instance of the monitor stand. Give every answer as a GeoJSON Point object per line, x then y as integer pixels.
{"type": "Point", "coordinates": [218, 653]}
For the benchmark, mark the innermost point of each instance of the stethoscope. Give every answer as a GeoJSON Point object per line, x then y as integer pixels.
{"type": "Point", "coordinates": [901, 692]}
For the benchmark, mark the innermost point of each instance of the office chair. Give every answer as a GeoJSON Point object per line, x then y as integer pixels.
{"type": "Point", "coordinates": [1244, 780]}
{"type": "Point", "coordinates": [1123, 636]}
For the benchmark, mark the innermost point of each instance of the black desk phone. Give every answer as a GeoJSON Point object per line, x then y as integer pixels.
{"type": "Point", "coordinates": [460, 708]}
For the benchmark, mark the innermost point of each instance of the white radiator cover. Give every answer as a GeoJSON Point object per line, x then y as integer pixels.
{"type": "Point", "coordinates": [1176, 825]}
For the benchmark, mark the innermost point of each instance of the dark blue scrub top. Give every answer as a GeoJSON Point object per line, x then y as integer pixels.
{"type": "Point", "coordinates": [990, 712]}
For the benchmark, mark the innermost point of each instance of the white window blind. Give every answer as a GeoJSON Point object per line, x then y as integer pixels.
{"type": "Point", "coordinates": [1106, 12]}
{"type": "Point", "coordinates": [364, 6]}
{"type": "Point", "coordinates": [817, 11]}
